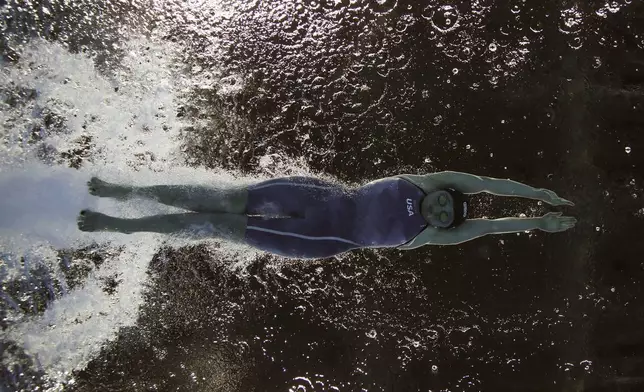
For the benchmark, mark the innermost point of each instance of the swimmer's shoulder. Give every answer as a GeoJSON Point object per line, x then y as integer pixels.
{"type": "Point", "coordinates": [425, 182]}
{"type": "Point", "coordinates": [399, 177]}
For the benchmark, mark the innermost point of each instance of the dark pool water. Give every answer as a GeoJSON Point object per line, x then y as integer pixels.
{"type": "Point", "coordinates": [548, 93]}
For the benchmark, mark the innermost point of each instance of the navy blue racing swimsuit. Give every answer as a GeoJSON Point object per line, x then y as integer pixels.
{"type": "Point", "coordinates": [306, 217]}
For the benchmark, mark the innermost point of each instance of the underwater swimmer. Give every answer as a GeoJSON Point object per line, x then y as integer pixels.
{"type": "Point", "coordinates": [306, 217]}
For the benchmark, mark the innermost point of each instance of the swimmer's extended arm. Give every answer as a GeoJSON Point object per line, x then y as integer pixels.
{"type": "Point", "coordinates": [470, 183]}
{"type": "Point", "coordinates": [474, 228]}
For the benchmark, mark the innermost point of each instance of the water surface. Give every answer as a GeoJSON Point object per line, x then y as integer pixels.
{"type": "Point", "coordinates": [548, 94]}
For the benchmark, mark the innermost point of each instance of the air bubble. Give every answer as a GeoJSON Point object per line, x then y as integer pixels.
{"type": "Point", "coordinates": [445, 19]}
{"type": "Point", "coordinates": [576, 43]}
{"type": "Point", "coordinates": [492, 47]}
{"type": "Point", "coordinates": [465, 54]}
{"type": "Point", "coordinates": [571, 21]}
{"type": "Point", "coordinates": [613, 7]}
{"type": "Point", "coordinates": [597, 62]}
{"type": "Point", "coordinates": [537, 27]}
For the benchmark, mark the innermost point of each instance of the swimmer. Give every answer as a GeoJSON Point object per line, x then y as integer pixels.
{"type": "Point", "coordinates": [306, 217]}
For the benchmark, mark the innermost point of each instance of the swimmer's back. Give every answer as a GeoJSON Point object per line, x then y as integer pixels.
{"type": "Point", "coordinates": [388, 212]}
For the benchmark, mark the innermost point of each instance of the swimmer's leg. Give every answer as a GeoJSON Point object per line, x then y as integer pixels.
{"type": "Point", "coordinates": [230, 227]}
{"type": "Point", "coordinates": [190, 197]}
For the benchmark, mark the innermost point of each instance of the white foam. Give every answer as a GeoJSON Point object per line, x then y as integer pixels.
{"type": "Point", "coordinates": [39, 202]}
{"type": "Point", "coordinates": [72, 330]}
{"type": "Point", "coordinates": [130, 116]}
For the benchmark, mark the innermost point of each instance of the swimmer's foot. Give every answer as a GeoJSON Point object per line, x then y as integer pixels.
{"type": "Point", "coordinates": [95, 221]}
{"type": "Point", "coordinates": [102, 188]}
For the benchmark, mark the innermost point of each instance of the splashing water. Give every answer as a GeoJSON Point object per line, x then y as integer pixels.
{"type": "Point", "coordinates": [121, 127]}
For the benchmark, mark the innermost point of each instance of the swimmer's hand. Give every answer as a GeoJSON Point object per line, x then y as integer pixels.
{"type": "Point", "coordinates": [553, 222]}
{"type": "Point", "coordinates": [551, 198]}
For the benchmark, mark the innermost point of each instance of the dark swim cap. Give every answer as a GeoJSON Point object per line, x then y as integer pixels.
{"type": "Point", "coordinates": [461, 204]}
